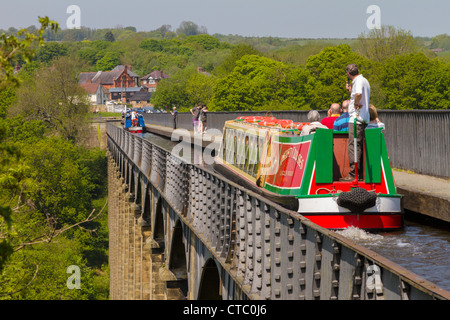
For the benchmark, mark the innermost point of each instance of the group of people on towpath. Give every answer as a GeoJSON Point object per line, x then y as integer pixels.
{"type": "Point", "coordinates": [199, 118]}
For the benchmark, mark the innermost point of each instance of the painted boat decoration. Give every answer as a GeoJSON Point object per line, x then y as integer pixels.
{"type": "Point", "coordinates": [302, 172]}
{"type": "Point", "coordinates": [135, 125]}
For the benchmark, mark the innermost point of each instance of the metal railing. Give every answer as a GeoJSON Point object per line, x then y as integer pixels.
{"type": "Point", "coordinates": [416, 140]}
{"type": "Point", "coordinates": [271, 252]}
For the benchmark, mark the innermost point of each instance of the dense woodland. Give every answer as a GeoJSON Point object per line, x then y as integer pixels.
{"type": "Point", "coordinates": [249, 73]}
{"type": "Point", "coordinates": [52, 187]}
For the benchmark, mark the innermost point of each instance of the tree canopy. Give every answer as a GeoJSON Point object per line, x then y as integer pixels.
{"type": "Point", "coordinates": [51, 185]}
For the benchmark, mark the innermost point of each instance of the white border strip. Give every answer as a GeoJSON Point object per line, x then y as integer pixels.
{"type": "Point", "coordinates": [329, 205]}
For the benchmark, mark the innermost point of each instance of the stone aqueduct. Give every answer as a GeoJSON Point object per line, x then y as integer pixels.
{"type": "Point", "coordinates": [179, 231]}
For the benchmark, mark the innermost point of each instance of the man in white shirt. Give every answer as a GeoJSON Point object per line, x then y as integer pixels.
{"type": "Point", "coordinates": [358, 109]}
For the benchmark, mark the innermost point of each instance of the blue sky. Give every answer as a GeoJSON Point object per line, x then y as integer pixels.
{"type": "Point", "coordinates": [278, 18]}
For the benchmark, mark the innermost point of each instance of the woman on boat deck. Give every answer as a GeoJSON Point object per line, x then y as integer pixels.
{"type": "Point", "coordinates": [314, 119]}
{"type": "Point", "coordinates": [374, 121]}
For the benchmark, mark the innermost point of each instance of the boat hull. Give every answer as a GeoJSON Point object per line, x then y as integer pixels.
{"type": "Point", "coordinates": [386, 222]}
{"type": "Point", "coordinates": [288, 202]}
{"type": "Point", "coordinates": [135, 129]}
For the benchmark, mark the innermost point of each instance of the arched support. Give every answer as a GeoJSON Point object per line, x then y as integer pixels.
{"type": "Point", "coordinates": [175, 273]}
{"type": "Point", "coordinates": [210, 283]}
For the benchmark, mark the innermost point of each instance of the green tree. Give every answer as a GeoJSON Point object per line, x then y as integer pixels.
{"type": "Point", "coordinates": [189, 28]}
{"type": "Point", "coordinates": [13, 48]}
{"type": "Point", "coordinates": [151, 45]}
{"type": "Point", "coordinates": [385, 43]}
{"type": "Point", "coordinates": [327, 82]}
{"type": "Point", "coordinates": [109, 36]}
{"type": "Point", "coordinates": [200, 88]}
{"type": "Point", "coordinates": [109, 61]}
{"type": "Point", "coordinates": [55, 98]}
{"type": "Point", "coordinates": [414, 81]}
{"type": "Point", "coordinates": [441, 41]}
{"type": "Point", "coordinates": [50, 51]}
{"type": "Point", "coordinates": [260, 83]}
{"type": "Point", "coordinates": [205, 41]}
{"type": "Point", "coordinates": [173, 91]}
{"type": "Point", "coordinates": [89, 55]}
{"type": "Point", "coordinates": [7, 98]}
{"type": "Point", "coordinates": [236, 54]}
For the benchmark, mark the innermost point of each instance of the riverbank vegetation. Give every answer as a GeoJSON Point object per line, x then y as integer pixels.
{"type": "Point", "coordinates": [53, 195]}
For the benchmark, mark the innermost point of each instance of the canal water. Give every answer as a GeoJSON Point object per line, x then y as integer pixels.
{"type": "Point", "coordinates": [423, 247]}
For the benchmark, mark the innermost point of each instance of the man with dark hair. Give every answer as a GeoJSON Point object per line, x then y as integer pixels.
{"type": "Point", "coordinates": [358, 110]}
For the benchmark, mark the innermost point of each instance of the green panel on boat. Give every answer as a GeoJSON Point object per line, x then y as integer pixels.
{"type": "Point", "coordinates": [372, 163]}
{"type": "Point", "coordinates": [324, 155]}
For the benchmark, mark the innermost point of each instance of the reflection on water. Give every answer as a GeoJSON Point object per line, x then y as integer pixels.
{"type": "Point", "coordinates": [419, 248]}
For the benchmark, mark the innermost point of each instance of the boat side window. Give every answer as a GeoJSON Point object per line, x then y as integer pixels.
{"type": "Point", "coordinates": [246, 153]}
{"type": "Point", "coordinates": [241, 150]}
{"type": "Point", "coordinates": [258, 154]}
{"type": "Point", "coordinates": [230, 146]}
{"type": "Point", "coordinates": [251, 154]}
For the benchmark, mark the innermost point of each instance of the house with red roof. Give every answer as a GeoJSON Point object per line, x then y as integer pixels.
{"type": "Point", "coordinates": [150, 81]}
{"type": "Point", "coordinates": [97, 93]}
{"type": "Point", "coordinates": [121, 82]}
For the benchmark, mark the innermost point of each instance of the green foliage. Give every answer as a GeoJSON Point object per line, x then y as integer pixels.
{"type": "Point", "coordinates": [109, 36]}
{"type": "Point", "coordinates": [55, 184]}
{"type": "Point", "coordinates": [172, 92]}
{"type": "Point", "coordinates": [205, 41]}
{"type": "Point", "coordinates": [7, 98]}
{"type": "Point", "coordinates": [21, 47]}
{"type": "Point", "coordinates": [328, 77]}
{"type": "Point", "coordinates": [386, 43]}
{"type": "Point", "coordinates": [55, 98]}
{"type": "Point", "coordinates": [62, 186]}
{"type": "Point", "coordinates": [109, 61]}
{"type": "Point", "coordinates": [200, 89]}
{"type": "Point", "coordinates": [236, 54]}
{"type": "Point", "coordinates": [89, 55]}
{"type": "Point", "coordinates": [41, 273]}
{"type": "Point", "coordinates": [416, 82]}
{"type": "Point", "coordinates": [189, 28]}
{"type": "Point", "coordinates": [441, 41]}
{"type": "Point", "coordinates": [258, 82]}
{"type": "Point", "coordinates": [50, 51]}
{"type": "Point", "coordinates": [151, 45]}
{"type": "Point", "coordinates": [48, 185]}
{"type": "Point", "coordinates": [20, 130]}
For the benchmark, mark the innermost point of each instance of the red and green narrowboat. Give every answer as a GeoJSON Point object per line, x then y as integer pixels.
{"type": "Point", "coordinates": [303, 172]}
